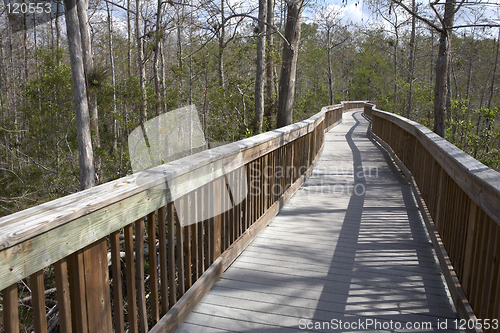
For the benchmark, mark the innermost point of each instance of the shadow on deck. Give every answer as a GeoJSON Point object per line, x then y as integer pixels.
{"type": "Point", "coordinates": [349, 252]}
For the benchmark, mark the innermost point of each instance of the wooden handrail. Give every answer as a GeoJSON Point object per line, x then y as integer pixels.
{"type": "Point", "coordinates": [460, 202]}
{"type": "Point", "coordinates": [196, 212]}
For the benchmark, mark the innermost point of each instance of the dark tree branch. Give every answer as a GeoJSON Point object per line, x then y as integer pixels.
{"type": "Point", "coordinates": [423, 19]}
{"type": "Point", "coordinates": [256, 19]}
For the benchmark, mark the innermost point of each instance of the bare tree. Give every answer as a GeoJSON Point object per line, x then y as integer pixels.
{"type": "Point", "coordinates": [113, 77]}
{"type": "Point", "coordinates": [86, 157]}
{"type": "Point", "coordinates": [156, 63]}
{"type": "Point", "coordinates": [446, 21]}
{"type": "Point", "coordinates": [289, 62]}
{"type": "Point", "coordinates": [329, 21]}
{"type": "Point", "coordinates": [270, 99]}
{"type": "Point", "coordinates": [259, 75]}
{"type": "Point", "coordinates": [140, 59]}
{"type": "Point", "coordinates": [88, 63]}
{"type": "Point", "coordinates": [411, 61]}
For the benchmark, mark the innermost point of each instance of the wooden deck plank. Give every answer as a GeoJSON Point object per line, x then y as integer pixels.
{"type": "Point", "coordinates": [325, 312]}
{"type": "Point", "coordinates": [351, 245]}
{"type": "Point", "coordinates": [337, 287]}
{"type": "Point", "coordinates": [308, 299]}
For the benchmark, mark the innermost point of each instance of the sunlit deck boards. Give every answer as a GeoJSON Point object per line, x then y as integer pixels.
{"type": "Point", "coordinates": [350, 246]}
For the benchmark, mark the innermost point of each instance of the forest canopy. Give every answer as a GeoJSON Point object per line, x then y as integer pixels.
{"type": "Point", "coordinates": [206, 54]}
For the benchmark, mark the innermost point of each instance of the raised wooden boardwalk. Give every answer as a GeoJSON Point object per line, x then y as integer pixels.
{"type": "Point", "coordinates": [348, 252]}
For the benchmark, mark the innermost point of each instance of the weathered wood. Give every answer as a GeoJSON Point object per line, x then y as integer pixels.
{"type": "Point", "coordinates": [162, 235]}
{"type": "Point", "coordinates": [188, 272]}
{"type": "Point", "coordinates": [172, 285]}
{"type": "Point", "coordinates": [153, 268]}
{"type": "Point", "coordinates": [181, 309]}
{"type": "Point", "coordinates": [195, 234]}
{"type": "Point", "coordinates": [116, 274]}
{"type": "Point", "coordinates": [199, 218]}
{"type": "Point", "coordinates": [179, 247]}
{"type": "Point", "coordinates": [130, 276]}
{"type": "Point", "coordinates": [217, 222]}
{"type": "Point", "coordinates": [76, 274]}
{"type": "Point", "coordinates": [10, 309]}
{"type": "Point", "coordinates": [63, 299]}
{"type": "Point", "coordinates": [38, 302]}
{"type": "Point", "coordinates": [139, 275]}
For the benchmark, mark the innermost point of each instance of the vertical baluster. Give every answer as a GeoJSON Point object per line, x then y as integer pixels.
{"type": "Point", "coordinates": [181, 282]}
{"type": "Point", "coordinates": [245, 178]}
{"type": "Point", "coordinates": [10, 309]}
{"type": "Point", "coordinates": [261, 187]}
{"type": "Point", "coordinates": [231, 208]}
{"type": "Point", "coordinates": [195, 235]}
{"type": "Point", "coordinates": [237, 208]}
{"type": "Point", "coordinates": [117, 282]}
{"type": "Point", "coordinates": [130, 275]}
{"type": "Point", "coordinates": [171, 254]}
{"type": "Point", "coordinates": [206, 224]}
{"type": "Point", "coordinates": [217, 231]}
{"type": "Point", "coordinates": [153, 267]}
{"type": "Point", "coordinates": [187, 242]}
{"type": "Point", "coordinates": [139, 275]}
{"type": "Point", "coordinates": [162, 235]}
{"type": "Point", "coordinates": [223, 217]}
{"type": "Point", "coordinates": [77, 293]}
{"type": "Point", "coordinates": [200, 223]}
{"type": "Point", "coordinates": [38, 302]}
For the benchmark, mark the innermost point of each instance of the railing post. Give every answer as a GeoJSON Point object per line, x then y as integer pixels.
{"type": "Point", "coordinates": [89, 285]}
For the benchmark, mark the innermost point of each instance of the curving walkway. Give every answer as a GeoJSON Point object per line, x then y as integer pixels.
{"type": "Point", "coordinates": [349, 252]}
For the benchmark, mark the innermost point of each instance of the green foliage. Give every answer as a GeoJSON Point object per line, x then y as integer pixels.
{"type": "Point", "coordinates": [310, 103]}
{"type": "Point", "coordinates": [474, 132]}
{"type": "Point", "coordinates": [46, 143]}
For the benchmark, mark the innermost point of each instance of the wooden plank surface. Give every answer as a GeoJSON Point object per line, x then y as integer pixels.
{"type": "Point", "coordinates": [351, 246]}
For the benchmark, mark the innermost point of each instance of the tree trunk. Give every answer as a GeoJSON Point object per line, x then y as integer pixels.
{"type": "Point", "coordinates": [441, 84]}
{"type": "Point", "coordinates": [88, 63]}
{"type": "Point", "coordinates": [270, 98]}
{"type": "Point", "coordinates": [442, 66]}
{"type": "Point", "coordinates": [222, 36]}
{"type": "Point", "coordinates": [259, 75]}
{"type": "Point", "coordinates": [494, 72]}
{"type": "Point", "coordinates": [329, 68]}
{"type": "Point", "coordinates": [411, 62]}
{"type": "Point", "coordinates": [2, 76]}
{"type": "Point", "coordinates": [58, 33]}
{"type": "Point", "coordinates": [289, 63]}
{"type": "Point", "coordinates": [129, 41]}
{"type": "Point", "coordinates": [86, 158]}
{"type": "Point", "coordinates": [163, 93]}
{"type": "Point", "coordinates": [140, 56]}
{"type": "Point", "coordinates": [156, 64]}
{"type": "Point", "coordinates": [114, 146]}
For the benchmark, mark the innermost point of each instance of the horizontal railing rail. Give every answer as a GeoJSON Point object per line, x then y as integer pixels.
{"type": "Point", "coordinates": [462, 206]}
{"type": "Point", "coordinates": [137, 253]}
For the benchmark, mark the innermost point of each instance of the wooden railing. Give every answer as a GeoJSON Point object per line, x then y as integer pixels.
{"type": "Point", "coordinates": [138, 253]}
{"type": "Point", "coordinates": [461, 206]}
